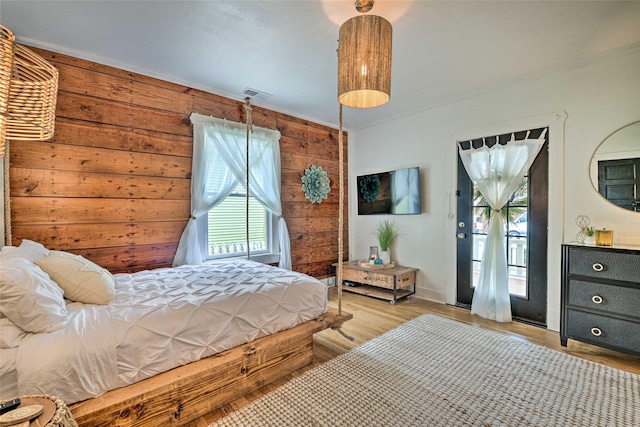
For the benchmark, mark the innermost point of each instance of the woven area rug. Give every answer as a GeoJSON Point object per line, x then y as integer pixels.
{"type": "Point", "coordinates": [433, 371]}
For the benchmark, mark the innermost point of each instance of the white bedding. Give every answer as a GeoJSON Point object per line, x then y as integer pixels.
{"type": "Point", "coordinates": [161, 319]}
{"type": "Point", "coordinates": [8, 374]}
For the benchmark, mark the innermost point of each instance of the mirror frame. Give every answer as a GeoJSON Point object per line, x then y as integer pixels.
{"type": "Point", "coordinates": [593, 166]}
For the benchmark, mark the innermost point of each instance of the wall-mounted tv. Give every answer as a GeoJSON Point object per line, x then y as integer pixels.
{"type": "Point", "coordinates": [394, 192]}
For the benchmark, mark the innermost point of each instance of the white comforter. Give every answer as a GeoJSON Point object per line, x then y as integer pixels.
{"type": "Point", "coordinates": [161, 319]}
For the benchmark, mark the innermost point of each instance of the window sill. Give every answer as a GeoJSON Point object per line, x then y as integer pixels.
{"type": "Point", "coordinates": [261, 258]}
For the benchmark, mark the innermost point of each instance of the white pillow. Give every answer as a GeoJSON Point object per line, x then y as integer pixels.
{"type": "Point", "coordinates": [29, 297]}
{"type": "Point", "coordinates": [28, 250]}
{"type": "Point", "coordinates": [33, 251]}
{"type": "Point", "coordinates": [10, 333]}
{"type": "Point", "coordinates": [82, 280]}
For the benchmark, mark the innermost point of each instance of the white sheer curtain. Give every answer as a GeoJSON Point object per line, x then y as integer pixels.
{"type": "Point", "coordinates": [226, 141]}
{"type": "Point", "coordinates": [203, 195]}
{"type": "Point", "coordinates": [496, 172]}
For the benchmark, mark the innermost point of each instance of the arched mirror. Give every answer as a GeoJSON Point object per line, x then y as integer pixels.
{"type": "Point", "coordinates": [615, 168]}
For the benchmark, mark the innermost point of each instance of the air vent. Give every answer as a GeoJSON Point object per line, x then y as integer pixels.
{"type": "Point", "coordinates": [254, 93]}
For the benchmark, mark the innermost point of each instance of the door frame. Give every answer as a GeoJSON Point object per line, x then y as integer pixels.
{"type": "Point", "coordinates": [555, 121]}
{"type": "Point", "coordinates": [532, 307]}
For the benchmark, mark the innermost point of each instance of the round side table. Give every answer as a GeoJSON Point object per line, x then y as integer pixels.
{"type": "Point", "coordinates": [55, 414]}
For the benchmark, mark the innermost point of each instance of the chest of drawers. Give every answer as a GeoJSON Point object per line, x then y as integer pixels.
{"type": "Point", "coordinates": [600, 300]}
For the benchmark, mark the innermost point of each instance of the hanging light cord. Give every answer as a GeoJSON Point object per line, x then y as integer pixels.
{"type": "Point", "coordinates": [340, 226]}
{"type": "Point", "coordinates": [249, 121]}
{"type": "Point", "coordinates": [340, 212]}
{"type": "Point", "coordinates": [7, 197]}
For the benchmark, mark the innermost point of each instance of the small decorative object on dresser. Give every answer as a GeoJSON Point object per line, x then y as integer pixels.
{"type": "Point", "coordinates": [600, 301]}
{"type": "Point", "coordinates": [604, 237]}
{"type": "Point", "coordinates": [590, 235]}
{"type": "Point", "coordinates": [582, 221]}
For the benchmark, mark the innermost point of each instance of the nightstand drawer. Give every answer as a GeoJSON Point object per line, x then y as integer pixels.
{"type": "Point", "coordinates": [604, 331]}
{"type": "Point", "coordinates": [609, 298]}
{"type": "Point", "coordinates": [369, 277]}
{"type": "Point", "coordinates": [604, 264]}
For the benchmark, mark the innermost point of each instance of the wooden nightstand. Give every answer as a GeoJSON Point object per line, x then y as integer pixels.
{"type": "Point", "coordinates": [390, 284]}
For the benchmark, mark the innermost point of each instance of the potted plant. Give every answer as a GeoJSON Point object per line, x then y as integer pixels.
{"type": "Point", "coordinates": [386, 232]}
{"type": "Point", "coordinates": [590, 235]}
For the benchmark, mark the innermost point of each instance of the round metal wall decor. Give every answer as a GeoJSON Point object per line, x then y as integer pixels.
{"type": "Point", "coordinates": [315, 184]}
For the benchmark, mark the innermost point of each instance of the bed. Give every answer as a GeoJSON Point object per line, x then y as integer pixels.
{"type": "Point", "coordinates": [170, 345]}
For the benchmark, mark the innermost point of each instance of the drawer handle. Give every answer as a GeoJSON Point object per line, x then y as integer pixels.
{"type": "Point", "coordinates": [597, 299]}
{"type": "Point", "coordinates": [596, 332]}
{"type": "Point", "coordinates": [598, 267]}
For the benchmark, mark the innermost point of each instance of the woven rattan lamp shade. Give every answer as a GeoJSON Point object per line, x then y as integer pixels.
{"type": "Point", "coordinates": [7, 47]}
{"type": "Point", "coordinates": [364, 62]}
{"type": "Point", "coordinates": [32, 97]}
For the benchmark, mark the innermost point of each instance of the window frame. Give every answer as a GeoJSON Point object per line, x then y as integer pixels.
{"type": "Point", "coordinates": [270, 256]}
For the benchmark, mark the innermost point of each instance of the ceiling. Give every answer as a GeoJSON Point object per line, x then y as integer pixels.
{"type": "Point", "coordinates": [443, 51]}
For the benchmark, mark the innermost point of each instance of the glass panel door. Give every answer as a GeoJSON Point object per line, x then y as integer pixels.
{"type": "Point", "coordinates": [526, 239]}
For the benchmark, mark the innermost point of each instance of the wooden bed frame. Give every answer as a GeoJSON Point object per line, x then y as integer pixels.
{"type": "Point", "coordinates": [183, 394]}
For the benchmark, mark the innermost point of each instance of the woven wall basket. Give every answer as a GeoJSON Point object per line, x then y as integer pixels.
{"type": "Point", "coordinates": [32, 97]}
{"type": "Point", "coordinates": [7, 46]}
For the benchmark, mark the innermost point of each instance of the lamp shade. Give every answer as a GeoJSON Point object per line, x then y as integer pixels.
{"type": "Point", "coordinates": [364, 62]}
{"type": "Point", "coordinates": [7, 47]}
{"type": "Point", "coordinates": [32, 97]}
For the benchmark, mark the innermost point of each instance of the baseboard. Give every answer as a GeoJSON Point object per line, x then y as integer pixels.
{"type": "Point", "coordinates": [430, 295]}
{"type": "Point", "coordinates": [553, 320]}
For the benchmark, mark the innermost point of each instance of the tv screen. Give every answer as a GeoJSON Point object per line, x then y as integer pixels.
{"type": "Point", "coordinates": [394, 192]}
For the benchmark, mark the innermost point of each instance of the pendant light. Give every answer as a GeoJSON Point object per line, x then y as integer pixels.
{"type": "Point", "coordinates": [27, 105]}
{"type": "Point", "coordinates": [32, 97]}
{"type": "Point", "coordinates": [364, 59]}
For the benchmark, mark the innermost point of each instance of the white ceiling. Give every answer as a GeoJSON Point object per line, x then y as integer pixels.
{"type": "Point", "coordinates": [442, 50]}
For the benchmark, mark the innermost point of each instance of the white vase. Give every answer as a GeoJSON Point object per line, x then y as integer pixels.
{"type": "Point", "coordinates": [590, 240]}
{"type": "Point", "coordinates": [385, 256]}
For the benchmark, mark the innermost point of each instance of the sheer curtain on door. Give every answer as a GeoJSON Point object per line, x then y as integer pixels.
{"type": "Point", "coordinates": [496, 171]}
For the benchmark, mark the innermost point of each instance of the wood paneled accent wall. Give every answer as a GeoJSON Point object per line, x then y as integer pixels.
{"type": "Point", "coordinates": [114, 183]}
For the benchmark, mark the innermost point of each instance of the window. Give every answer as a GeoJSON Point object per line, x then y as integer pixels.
{"type": "Point", "coordinates": [227, 228]}
{"type": "Point", "coordinates": [225, 223]}
{"type": "Point", "coordinates": [218, 223]}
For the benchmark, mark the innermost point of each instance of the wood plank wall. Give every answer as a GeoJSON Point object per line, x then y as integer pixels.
{"type": "Point", "coordinates": [113, 185]}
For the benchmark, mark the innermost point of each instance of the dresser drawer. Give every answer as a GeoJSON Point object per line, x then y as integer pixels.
{"type": "Point", "coordinates": [603, 331]}
{"type": "Point", "coordinates": [609, 298]}
{"type": "Point", "coordinates": [605, 264]}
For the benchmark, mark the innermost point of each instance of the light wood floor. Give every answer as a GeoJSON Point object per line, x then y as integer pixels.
{"type": "Point", "coordinates": [372, 317]}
